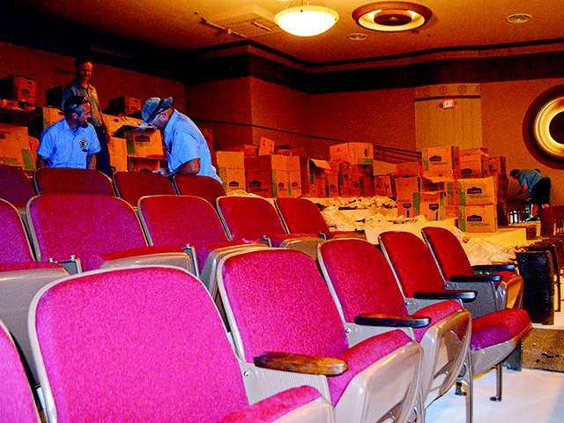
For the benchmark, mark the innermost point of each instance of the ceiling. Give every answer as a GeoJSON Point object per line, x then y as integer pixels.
{"type": "Point", "coordinates": [177, 24]}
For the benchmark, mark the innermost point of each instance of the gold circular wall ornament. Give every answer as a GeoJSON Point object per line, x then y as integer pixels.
{"type": "Point", "coordinates": [392, 16]}
{"type": "Point", "coordinates": [542, 128]}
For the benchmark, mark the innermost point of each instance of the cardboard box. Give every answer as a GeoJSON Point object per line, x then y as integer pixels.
{"type": "Point", "coordinates": [267, 175]}
{"type": "Point", "coordinates": [135, 164]}
{"type": "Point", "coordinates": [406, 187]}
{"type": "Point", "coordinates": [230, 159]}
{"type": "Point", "coordinates": [233, 178]}
{"type": "Point", "coordinates": [358, 153]}
{"type": "Point", "coordinates": [408, 208]}
{"type": "Point", "coordinates": [20, 88]}
{"type": "Point", "coordinates": [333, 179]}
{"type": "Point", "coordinates": [144, 143]}
{"type": "Point", "coordinates": [497, 166]}
{"type": "Point", "coordinates": [383, 185]}
{"type": "Point", "coordinates": [6, 103]}
{"type": "Point", "coordinates": [54, 96]}
{"type": "Point", "coordinates": [118, 125]}
{"type": "Point", "coordinates": [125, 105]}
{"type": "Point", "coordinates": [431, 204]}
{"type": "Point", "coordinates": [294, 183]}
{"type": "Point", "coordinates": [14, 147]}
{"type": "Point", "coordinates": [407, 169]}
{"type": "Point", "coordinates": [349, 180]}
{"type": "Point", "coordinates": [117, 148]}
{"type": "Point", "coordinates": [478, 191]}
{"type": "Point", "coordinates": [50, 115]}
{"type": "Point", "coordinates": [314, 177]}
{"type": "Point", "coordinates": [266, 146]}
{"type": "Point", "coordinates": [441, 161]}
{"type": "Point", "coordinates": [474, 163]}
{"type": "Point", "coordinates": [478, 218]}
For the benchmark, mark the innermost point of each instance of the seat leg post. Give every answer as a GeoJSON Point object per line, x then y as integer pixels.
{"type": "Point", "coordinates": [498, 383]}
{"type": "Point", "coordinates": [467, 379]}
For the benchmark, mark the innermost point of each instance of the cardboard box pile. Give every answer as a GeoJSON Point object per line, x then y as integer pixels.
{"type": "Point", "coordinates": [231, 169]}
{"type": "Point", "coordinates": [474, 163]}
{"type": "Point", "coordinates": [478, 204]}
{"type": "Point", "coordinates": [273, 175]}
{"type": "Point", "coordinates": [14, 147]}
{"type": "Point", "coordinates": [20, 88]}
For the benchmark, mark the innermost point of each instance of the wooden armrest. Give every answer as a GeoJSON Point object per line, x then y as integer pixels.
{"type": "Point", "coordinates": [475, 278]}
{"type": "Point", "coordinates": [300, 363]}
{"type": "Point", "coordinates": [494, 267]}
{"type": "Point", "coordinates": [392, 321]}
{"type": "Point", "coordinates": [465, 296]}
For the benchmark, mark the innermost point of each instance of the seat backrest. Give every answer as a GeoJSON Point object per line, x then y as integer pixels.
{"type": "Point", "coordinates": [131, 186]}
{"type": "Point", "coordinates": [249, 217]}
{"type": "Point", "coordinates": [82, 225]}
{"type": "Point", "coordinates": [15, 186]}
{"type": "Point", "coordinates": [147, 344]}
{"type": "Point", "coordinates": [361, 279]}
{"type": "Point", "coordinates": [16, 400]}
{"type": "Point", "coordinates": [301, 216]}
{"type": "Point", "coordinates": [199, 186]}
{"type": "Point", "coordinates": [280, 303]}
{"type": "Point", "coordinates": [14, 246]}
{"type": "Point", "coordinates": [411, 262]}
{"type": "Point", "coordinates": [448, 252]}
{"type": "Point", "coordinates": [180, 219]}
{"type": "Point", "coordinates": [72, 181]}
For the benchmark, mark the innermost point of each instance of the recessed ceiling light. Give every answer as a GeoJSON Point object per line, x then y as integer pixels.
{"type": "Point", "coordinates": [392, 16]}
{"type": "Point", "coordinates": [519, 18]}
{"type": "Point", "coordinates": [357, 36]}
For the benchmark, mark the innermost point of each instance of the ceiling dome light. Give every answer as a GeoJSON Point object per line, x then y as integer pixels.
{"type": "Point", "coordinates": [392, 16]}
{"type": "Point", "coordinates": [306, 20]}
{"type": "Point", "coordinates": [519, 18]}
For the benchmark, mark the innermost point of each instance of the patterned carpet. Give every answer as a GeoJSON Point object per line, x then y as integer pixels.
{"type": "Point", "coordinates": [544, 349]}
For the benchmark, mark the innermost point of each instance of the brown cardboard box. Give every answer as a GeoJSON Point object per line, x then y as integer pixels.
{"type": "Point", "coordinates": [478, 191]}
{"type": "Point", "coordinates": [478, 218]}
{"type": "Point", "coordinates": [135, 164]}
{"type": "Point", "coordinates": [358, 153]}
{"type": "Point", "coordinates": [50, 115]}
{"type": "Point", "coordinates": [230, 159]}
{"type": "Point", "coordinates": [117, 148]}
{"type": "Point", "coordinates": [406, 187]}
{"type": "Point", "coordinates": [314, 177]}
{"type": "Point", "coordinates": [432, 204]}
{"type": "Point", "coordinates": [408, 208]}
{"type": "Point", "coordinates": [441, 161]}
{"type": "Point", "coordinates": [125, 105]}
{"type": "Point", "coordinates": [383, 185]}
{"type": "Point", "coordinates": [266, 146]}
{"type": "Point", "coordinates": [20, 88]}
{"type": "Point", "coordinates": [407, 169]}
{"type": "Point", "coordinates": [14, 147]}
{"type": "Point", "coordinates": [349, 180]}
{"type": "Point", "coordinates": [267, 175]}
{"type": "Point", "coordinates": [294, 183]}
{"type": "Point", "coordinates": [497, 166]}
{"type": "Point", "coordinates": [144, 143]}
{"type": "Point", "coordinates": [474, 163]}
{"type": "Point", "coordinates": [333, 179]}
{"type": "Point", "coordinates": [233, 178]}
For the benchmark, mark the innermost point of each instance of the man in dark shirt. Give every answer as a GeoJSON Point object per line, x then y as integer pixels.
{"type": "Point", "coordinates": [81, 86]}
{"type": "Point", "coordinates": [537, 186]}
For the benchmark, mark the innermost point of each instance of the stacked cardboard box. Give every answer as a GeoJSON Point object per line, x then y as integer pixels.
{"type": "Point", "coordinates": [406, 169]}
{"type": "Point", "coordinates": [125, 105]}
{"type": "Point", "coordinates": [383, 185]}
{"type": "Point", "coordinates": [407, 195]}
{"type": "Point", "coordinates": [231, 169]}
{"type": "Point", "coordinates": [356, 153]}
{"type": "Point", "coordinates": [441, 161]}
{"type": "Point", "coordinates": [474, 163]}
{"type": "Point", "coordinates": [431, 204]}
{"type": "Point", "coordinates": [266, 146]}
{"type": "Point", "coordinates": [273, 175]}
{"type": "Point", "coordinates": [478, 204]}
{"type": "Point", "coordinates": [14, 147]}
{"type": "Point", "coordinates": [19, 88]}
{"type": "Point", "coordinates": [117, 148]}
{"type": "Point", "coordinates": [49, 116]}
{"type": "Point", "coordinates": [498, 168]}
{"type": "Point", "coordinates": [140, 143]}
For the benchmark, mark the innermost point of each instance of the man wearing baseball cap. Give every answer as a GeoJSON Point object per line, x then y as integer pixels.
{"type": "Point", "coordinates": [186, 148]}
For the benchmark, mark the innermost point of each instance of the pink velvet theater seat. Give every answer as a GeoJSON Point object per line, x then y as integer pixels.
{"type": "Point", "coordinates": [180, 220]}
{"type": "Point", "coordinates": [199, 186]}
{"type": "Point", "coordinates": [453, 261]}
{"type": "Point", "coordinates": [72, 181]}
{"type": "Point", "coordinates": [419, 277]}
{"type": "Point", "coordinates": [20, 276]}
{"type": "Point", "coordinates": [15, 186]}
{"type": "Point", "coordinates": [363, 285]}
{"type": "Point", "coordinates": [254, 219]}
{"type": "Point", "coordinates": [163, 360]}
{"type": "Point", "coordinates": [276, 301]}
{"type": "Point", "coordinates": [131, 186]}
{"type": "Point", "coordinates": [300, 215]}
{"type": "Point", "coordinates": [16, 400]}
{"type": "Point", "coordinates": [99, 230]}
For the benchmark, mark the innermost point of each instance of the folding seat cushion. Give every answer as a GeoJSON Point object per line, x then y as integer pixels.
{"type": "Point", "coordinates": [101, 231]}
{"type": "Point", "coordinates": [499, 332]}
{"type": "Point", "coordinates": [16, 399]}
{"type": "Point", "coordinates": [453, 261]}
{"type": "Point", "coordinates": [72, 181]}
{"type": "Point", "coordinates": [365, 291]}
{"type": "Point", "coordinates": [131, 186]}
{"type": "Point", "coordinates": [252, 219]}
{"type": "Point", "coordinates": [20, 276]}
{"type": "Point", "coordinates": [199, 186]}
{"type": "Point", "coordinates": [300, 215]}
{"type": "Point", "coordinates": [276, 301]}
{"type": "Point", "coordinates": [15, 186]}
{"type": "Point", "coordinates": [127, 368]}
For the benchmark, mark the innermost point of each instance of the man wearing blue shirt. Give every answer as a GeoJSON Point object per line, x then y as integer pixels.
{"type": "Point", "coordinates": [187, 151]}
{"type": "Point", "coordinates": [537, 186]}
{"type": "Point", "coordinates": [72, 141]}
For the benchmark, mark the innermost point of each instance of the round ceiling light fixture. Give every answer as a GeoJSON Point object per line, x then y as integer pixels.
{"type": "Point", "coordinates": [392, 16]}
{"type": "Point", "coordinates": [519, 18]}
{"type": "Point", "coordinates": [357, 36]}
{"type": "Point", "coordinates": [306, 20]}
